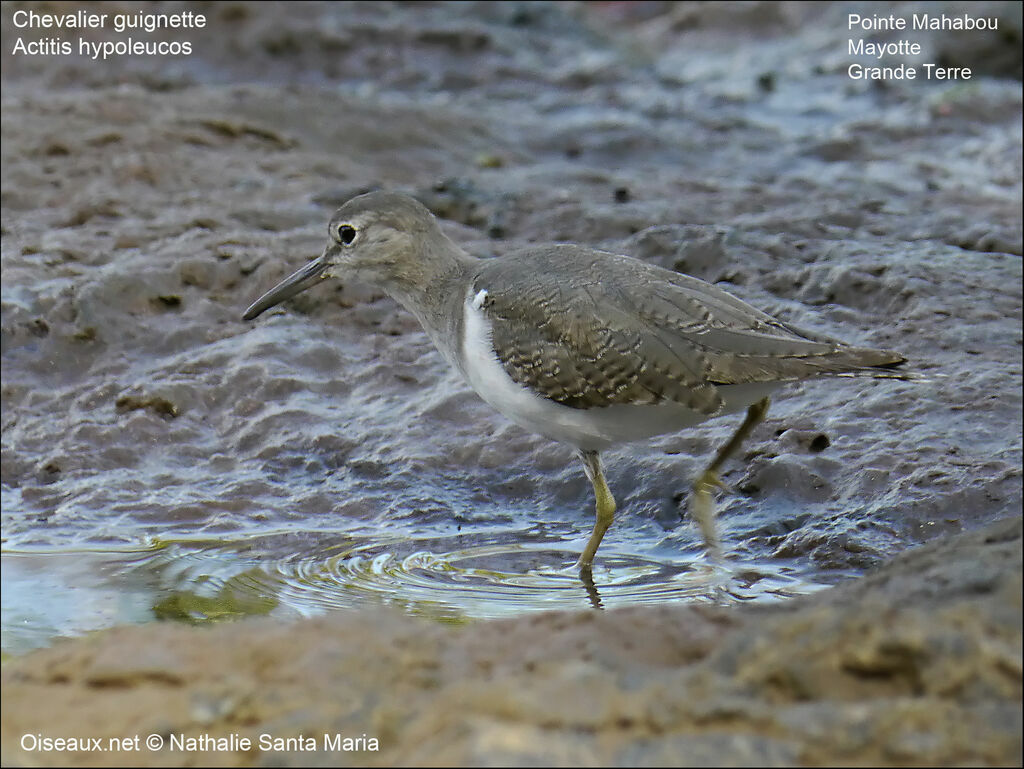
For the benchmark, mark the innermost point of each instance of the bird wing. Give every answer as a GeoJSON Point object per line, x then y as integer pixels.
{"type": "Point", "coordinates": [588, 329]}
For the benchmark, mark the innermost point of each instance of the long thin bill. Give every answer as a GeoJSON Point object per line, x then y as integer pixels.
{"type": "Point", "coordinates": [294, 284]}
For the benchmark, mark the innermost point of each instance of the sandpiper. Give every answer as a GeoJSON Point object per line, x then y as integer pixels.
{"type": "Point", "coordinates": [585, 347]}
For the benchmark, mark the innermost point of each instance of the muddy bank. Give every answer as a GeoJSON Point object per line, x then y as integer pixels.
{"type": "Point", "coordinates": [918, 663]}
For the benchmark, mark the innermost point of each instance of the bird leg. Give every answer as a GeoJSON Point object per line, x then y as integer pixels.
{"type": "Point", "coordinates": [702, 505]}
{"type": "Point", "coordinates": [605, 508]}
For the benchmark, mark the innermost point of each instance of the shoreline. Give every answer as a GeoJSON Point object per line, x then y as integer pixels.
{"type": "Point", "coordinates": [917, 662]}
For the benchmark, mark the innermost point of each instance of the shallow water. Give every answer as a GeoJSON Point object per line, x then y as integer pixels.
{"type": "Point", "coordinates": [488, 572]}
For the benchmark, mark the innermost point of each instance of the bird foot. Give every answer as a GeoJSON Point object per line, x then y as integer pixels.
{"type": "Point", "coordinates": [702, 508]}
{"type": "Point", "coordinates": [708, 480]}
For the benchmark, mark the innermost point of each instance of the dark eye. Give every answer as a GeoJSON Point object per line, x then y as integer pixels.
{"type": "Point", "coordinates": [346, 234]}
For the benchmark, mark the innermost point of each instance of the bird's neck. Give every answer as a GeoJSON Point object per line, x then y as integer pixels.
{"type": "Point", "coordinates": [435, 291]}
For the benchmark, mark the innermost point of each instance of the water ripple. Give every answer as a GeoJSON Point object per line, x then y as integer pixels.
{"type": "Point", "coordinates": [456, 577]}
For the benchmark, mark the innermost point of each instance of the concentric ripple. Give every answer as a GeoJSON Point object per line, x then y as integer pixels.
{"type": "Point", "coordinates": [456, 577]}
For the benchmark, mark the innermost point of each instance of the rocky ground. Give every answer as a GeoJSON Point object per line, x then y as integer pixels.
{"type": "Point", "coordinates": [147, 200]}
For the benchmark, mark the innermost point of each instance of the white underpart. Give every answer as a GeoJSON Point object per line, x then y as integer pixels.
{"type": "Point", "coordinates": [592, 429]}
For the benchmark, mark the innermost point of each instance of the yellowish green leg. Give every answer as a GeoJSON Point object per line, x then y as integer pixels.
{"type": "Point", "coordinates": [702, 504]}
{"type": "Point", "coordinates": [605, 507]}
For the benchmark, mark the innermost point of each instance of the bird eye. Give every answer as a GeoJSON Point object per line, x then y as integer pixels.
{"type": "Point", "coordinates": [346, 234]}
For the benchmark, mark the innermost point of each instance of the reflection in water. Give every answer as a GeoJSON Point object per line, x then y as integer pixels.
{"type": "Point", "coordinates": [450, 578]}
{"type": "Point", "coordinates": [587, 578]}
{"type": "Point", "coordinates": [46, 596]}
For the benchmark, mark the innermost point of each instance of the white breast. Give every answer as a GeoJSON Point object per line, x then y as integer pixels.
{"type": "Point", "coordinates": [592, 429]}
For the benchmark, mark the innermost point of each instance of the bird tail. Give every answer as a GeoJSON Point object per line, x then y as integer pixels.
{"type": "Point", "coordinates": [875, 364]}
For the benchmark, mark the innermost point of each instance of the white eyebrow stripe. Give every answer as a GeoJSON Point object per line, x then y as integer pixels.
{"type": "Point", "coordinates": [479, 299]}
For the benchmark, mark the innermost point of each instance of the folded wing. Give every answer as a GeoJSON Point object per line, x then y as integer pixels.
{"type": "Point", "coordinates": [613, 330]}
